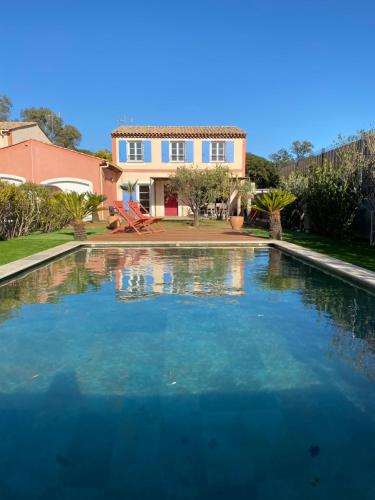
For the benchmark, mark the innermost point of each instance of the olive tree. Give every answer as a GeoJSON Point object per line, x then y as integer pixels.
{"type": "Point", "coordinates": [194, 186]}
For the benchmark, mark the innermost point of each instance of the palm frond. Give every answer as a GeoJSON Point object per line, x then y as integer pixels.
{"type": "Point", "coordinates": [273, 201]}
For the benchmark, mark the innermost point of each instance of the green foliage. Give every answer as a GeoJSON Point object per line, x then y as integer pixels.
{"type": "Point", "coordinates": [5, 108]}
{"type": "Point", "coordinates": [264, 172]}
{"type": "Point", "coordinates": [68, 137]}
{"type": "Point", "coordinates": [281, 157]}
{"type": "Point", "coordinates": [79, 206]}
{"type": "Point", "coordinates": [273, 201]}
{"type": "Point", "coordinates": [332, 199]}
{"type": "Point", "coordinates": [104, 153]}
{"type": "Point", "coordinates": [194, 186]}
{"type": "Point", "coordinates": [224, 186]}
{"type": "Point", "coordinates": [328, 196]}
{"type": "Point", "coordinates": [301, 149]}
{"type": "Point", "coordinates": [53, 126]}
{"type": "Point", "coordinates": [28, 208]}
{"type": "Point", "coordinates": [297, 151]}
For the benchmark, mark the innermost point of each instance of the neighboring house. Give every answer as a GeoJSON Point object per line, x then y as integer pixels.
{"type": "Point", "coordinates": [69, 170]}
{"type": "Point", "coordinates": [15, 132]}
{"type": "Point", "coordinates": [150, 155]}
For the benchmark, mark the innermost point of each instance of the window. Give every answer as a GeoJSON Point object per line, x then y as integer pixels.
{"type": "Point", "coordinates": [144, 196]}
{"type": "Point", "coordinates": [218, 151]}
{"type": "Point", "coordinates": [177, 151]}
{"type": "Point", "coordinates": [135, 151]}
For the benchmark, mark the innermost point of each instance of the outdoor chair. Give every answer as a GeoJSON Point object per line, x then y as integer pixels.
{"type": "Point", "coordinates": [141, 213]}
{"type": "Point", "coordinates": [140, 226]}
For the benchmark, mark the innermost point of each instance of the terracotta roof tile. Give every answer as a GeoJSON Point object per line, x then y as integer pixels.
{"type": "Point", "coordinates": [181, 132]}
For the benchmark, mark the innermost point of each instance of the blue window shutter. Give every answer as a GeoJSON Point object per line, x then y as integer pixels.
{"type": "Point", "coordinates": [165, 151]}
{"type": "Point", "coordinates": [122, 151]}
{"type": "Point", "coordinates": [229, 151]}
{"type": "Point", "coordinates": [147, 151]}
{"type": "Point", "coordinates": [205, 151]}
{"type": "Point", "coordinates": [189, 151]}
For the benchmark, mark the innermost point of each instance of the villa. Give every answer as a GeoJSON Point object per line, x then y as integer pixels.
{"type": "Point", "coordinates": [150, 154]}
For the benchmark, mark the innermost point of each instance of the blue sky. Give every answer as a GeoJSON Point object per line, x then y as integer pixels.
{"type": "Point", "coordinates": [280, 69]}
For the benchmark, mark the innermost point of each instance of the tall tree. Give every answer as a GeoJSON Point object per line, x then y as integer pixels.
{"type": "Point", "coordinates": [281, 157]}
{"type": "Point", "coordinates": [297, 151]}
{"type": "Point", "coordinates": [68, 137]}
{"type": "Point", "coordinates": [5, 108]}
{"type": "Point", "coordinates": [48, 121]}
{"type": "Point", "coordinates": [301, 149]}
{"type": "Point", "coordinates": [53, 126]}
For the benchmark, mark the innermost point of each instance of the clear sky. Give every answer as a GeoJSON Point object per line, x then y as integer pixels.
{"type": "Point", "coordinates": [280, 69]}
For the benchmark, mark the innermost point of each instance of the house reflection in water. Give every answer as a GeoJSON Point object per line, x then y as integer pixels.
{"type": "Point", "coordinates": [190, 271]}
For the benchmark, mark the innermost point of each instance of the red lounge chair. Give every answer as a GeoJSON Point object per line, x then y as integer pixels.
{"type": "Point", "coordinates": [136, 207]}
{"type": "Point", "coordinates": [137, 225]}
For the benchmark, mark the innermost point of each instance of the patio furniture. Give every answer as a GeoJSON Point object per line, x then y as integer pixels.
{"type": "Point", "coordinates": [136, 225]}
{"type": "Point", "coordinates": [211, 211]}
{"type": "Point", "coordinates": [154, 222]}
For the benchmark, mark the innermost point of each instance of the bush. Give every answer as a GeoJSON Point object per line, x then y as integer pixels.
{"type": "Point", "coordinates": [28, 208]}
{"type": "Point", "coordinates": [327, 196]}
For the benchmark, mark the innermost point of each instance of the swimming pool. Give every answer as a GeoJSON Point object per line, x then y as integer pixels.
{"type": "Point", "coordinates": [186, 373]}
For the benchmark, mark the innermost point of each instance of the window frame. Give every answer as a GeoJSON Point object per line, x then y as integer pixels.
{"type": "Point", "coordinates": [183, 153]}
{"type": "Point", "coordinates": [211, 152]}
{"type": "Point", "coordinates": [142, 151]}
{"type": "Point", "coordinates": [142, 185]}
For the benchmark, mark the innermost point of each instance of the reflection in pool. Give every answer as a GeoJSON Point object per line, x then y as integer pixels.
{"type": "Point", "coordinates": [186, 373]}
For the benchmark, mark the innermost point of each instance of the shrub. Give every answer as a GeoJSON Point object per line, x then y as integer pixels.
{"type": "Point", "coordinates": [28, 208]}
{"type": "Point", "coordinates": [273, 203]}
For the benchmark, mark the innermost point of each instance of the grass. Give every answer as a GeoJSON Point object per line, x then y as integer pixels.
{"type": "Point", "coordinates": [359, 253]}
{"type": "Point", "coordinates": [27, 245]}
{"type": "Point", "coordinates": [355, 252]}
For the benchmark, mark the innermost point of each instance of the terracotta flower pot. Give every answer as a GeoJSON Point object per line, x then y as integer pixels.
{"type": "Point", "coordinates": [113, 221]}
{"type": "Point", "coordinates": [236, 221]}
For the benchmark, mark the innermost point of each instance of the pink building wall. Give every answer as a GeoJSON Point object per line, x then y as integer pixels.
{"type": "Point", "coordinates": [38, 162]}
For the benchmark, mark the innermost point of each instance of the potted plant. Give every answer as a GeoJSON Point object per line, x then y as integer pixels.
{"type": "Point", "coordinates": [129, 187]}
{"type": "Point", "coordinates": [243, 190]}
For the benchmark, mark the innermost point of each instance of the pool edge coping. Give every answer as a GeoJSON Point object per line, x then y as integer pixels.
{"type": "Point", "coordinates": [349, 272]}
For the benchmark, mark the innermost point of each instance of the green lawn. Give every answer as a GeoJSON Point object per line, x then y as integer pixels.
{"type": "Point", "coordinates": [357, 253]}
{"type": "Point", "coordinates": [27, 245]}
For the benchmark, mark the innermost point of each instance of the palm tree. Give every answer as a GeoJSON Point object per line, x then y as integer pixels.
{"type": "Point", "coordinates": [78, 206]}
{"type": "Point", "coordinates": [129, 187]}
{"type": "Point", "coordinates": [272, 203]}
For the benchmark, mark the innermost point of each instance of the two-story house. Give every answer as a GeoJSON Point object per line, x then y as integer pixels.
{"type": "Point", "coordinates": [149, 155]}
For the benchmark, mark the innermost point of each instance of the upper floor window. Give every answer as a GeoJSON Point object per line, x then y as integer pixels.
{"type": "Point", "coordinates": [135, 151]}
{"type": "Point", "coordinates": [217, 151]}
{"type": "Point", "coordinates": [177, 151]}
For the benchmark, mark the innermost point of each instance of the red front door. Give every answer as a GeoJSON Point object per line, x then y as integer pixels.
{"type": "Point", "coordinates": [170, 204]}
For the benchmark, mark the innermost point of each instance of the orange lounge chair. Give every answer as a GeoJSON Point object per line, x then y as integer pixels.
{"type": "Point", "coordinates": [137, 225]}
{"type": "Point", "coordinates": [136, 207]}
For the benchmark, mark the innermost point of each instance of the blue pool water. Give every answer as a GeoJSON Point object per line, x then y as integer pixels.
{"type": "Point", "coordinates": [186, 374]}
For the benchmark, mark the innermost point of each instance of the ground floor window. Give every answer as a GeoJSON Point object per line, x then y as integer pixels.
{"type": "Point", "coordinates": [144, 196]}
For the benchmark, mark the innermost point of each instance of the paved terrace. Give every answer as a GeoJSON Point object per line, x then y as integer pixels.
{"type": "Point", "coordinates": [185, 234]}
